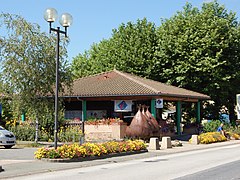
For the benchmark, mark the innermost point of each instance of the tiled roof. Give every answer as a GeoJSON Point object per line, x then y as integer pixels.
{"type": "Point", "coordinates": [116, 83]}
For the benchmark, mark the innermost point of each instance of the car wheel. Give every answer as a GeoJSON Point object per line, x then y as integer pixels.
{"type": "Point", "coordinates": [8, 146]}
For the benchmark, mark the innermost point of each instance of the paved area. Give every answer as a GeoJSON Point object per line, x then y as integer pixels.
{"type": "Point", "coordinates": [20, 167]}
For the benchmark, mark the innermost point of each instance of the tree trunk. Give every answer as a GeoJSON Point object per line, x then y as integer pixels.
{"type": "Point", "coordinates": [36, 129]}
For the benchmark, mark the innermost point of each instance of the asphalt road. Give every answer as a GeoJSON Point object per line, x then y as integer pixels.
{"type": "Point", "coordinates": [182, 165]}
{"type": "Point", "coordinates": [226, 171]}
{"type": "Point", "coordinates": [16, 154]}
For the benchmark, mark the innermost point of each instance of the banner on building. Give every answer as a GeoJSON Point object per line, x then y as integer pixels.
{"type": "Point", "coordinates": [123, 105]}
{"type": "Point", "coordinates": [238, 106]}
{"type": "Point", "coordinates": [77, 114]}
{"type": "Point", "coordinates": [159, 103]}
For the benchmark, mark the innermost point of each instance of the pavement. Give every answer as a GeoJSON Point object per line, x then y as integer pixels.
{"type": "Point", "coordinates": [15, 168]}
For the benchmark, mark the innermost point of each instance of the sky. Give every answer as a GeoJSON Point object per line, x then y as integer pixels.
{"type": "Point", "coordinates": [93, 20]}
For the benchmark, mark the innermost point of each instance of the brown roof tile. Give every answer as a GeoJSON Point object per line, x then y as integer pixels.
{"type": "Point", "coordinates": [116, 83]}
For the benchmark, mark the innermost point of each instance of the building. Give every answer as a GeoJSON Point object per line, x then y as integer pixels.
{"type": "Point", "coordinates": [116, 93]}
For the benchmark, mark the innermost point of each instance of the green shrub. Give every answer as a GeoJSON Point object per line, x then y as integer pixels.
{"type": "Point", "coordinates": [232, 129]}
{"type": "Point", "coordinates": [26, 132]}
{"type": "Point", "coordinates": [23, 133]}
{"type": "Point", "coordinates": [45, 136]}
{"type": "Point", "coordinates": [211, 126]}
{"type": "Point", "coordinates": [70, 134]}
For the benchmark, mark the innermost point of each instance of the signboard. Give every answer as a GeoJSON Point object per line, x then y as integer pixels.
{"type": "Point", "coordinates": [238, 106]}
{"type": "Point", "coordinates": [73, 114]}
{"type": "Point", "coordinates": [159, 103]}
{"type": "Point", "coordinates": [123, 105]}
{"type": "Point", "coordinates": [76, 114]}
{"type": "Point", "coordinates": [98, 114]}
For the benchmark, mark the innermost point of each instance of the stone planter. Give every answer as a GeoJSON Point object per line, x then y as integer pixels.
{"type": "Point", "coordinates": [114, 131]}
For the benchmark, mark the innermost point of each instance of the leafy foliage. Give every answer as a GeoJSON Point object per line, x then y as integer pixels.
{"type": "Point", "coordinates": [211, 126]}
{"type": "Point", "coordinates": [130, 49]}
{"type": "Point", "coordinates": [23, 133]}
{"type": "Point", "coordinates": [197, 49]}
{"type": "Point", "coordinates": [28, 66]}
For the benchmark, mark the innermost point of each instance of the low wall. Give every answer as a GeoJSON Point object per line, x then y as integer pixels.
{"type": "Point", "coordinates": [115, 131]}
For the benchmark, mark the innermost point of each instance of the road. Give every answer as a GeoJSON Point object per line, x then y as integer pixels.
{"type": "Point", "coordinates": [16, 155]}
{"type": "Point", "coordinates": [226, 171]}
{"type": "Point", "coordinates": [182, 165]}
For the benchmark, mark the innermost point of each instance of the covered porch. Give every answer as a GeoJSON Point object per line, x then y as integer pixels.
{"type": "Point", "coordinates": [96, 97]}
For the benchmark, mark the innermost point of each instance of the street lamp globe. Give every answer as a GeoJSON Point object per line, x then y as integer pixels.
{"type": "Point", "coordinates": [66, 20]}
{"type": "Point", "coordinates": [50, 15]}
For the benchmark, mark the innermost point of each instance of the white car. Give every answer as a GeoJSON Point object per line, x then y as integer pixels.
{"type": "Point", "coordinates": [7, 138]}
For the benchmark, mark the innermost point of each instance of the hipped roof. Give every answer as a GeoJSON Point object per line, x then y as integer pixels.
{"type": "Point", "coordinates": [119, 84]}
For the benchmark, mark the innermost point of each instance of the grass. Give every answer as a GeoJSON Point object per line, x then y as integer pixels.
{"type": "Point", "coordinates": [28, 144]}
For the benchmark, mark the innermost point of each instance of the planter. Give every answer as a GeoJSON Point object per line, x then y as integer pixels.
{"type": "Point", "coordinates": [114, 131]}
{"type": "Point", "coordinates": [89, 158]}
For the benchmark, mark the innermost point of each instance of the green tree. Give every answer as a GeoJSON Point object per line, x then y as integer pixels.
{"type": "Point", "coordinates": [199, 50]}
{"type": "Point", "coordinates": [131, 49]}
{"type": "Point", "coordinates": [28, 66]}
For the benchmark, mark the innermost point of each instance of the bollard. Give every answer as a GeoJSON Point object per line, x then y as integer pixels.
{"type": "Point", "coordinates": [195, 139]}
{"type": "Point", "coordinates": [166, 143]}
{"type": "Point", "coordinates": [81, 140]}
{"type": "Point", "coordinates": [154, 144]}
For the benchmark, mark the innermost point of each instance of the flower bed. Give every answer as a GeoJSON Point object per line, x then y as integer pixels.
{"type": "Point", "coordinates": [210, 137]}
{"type": "Point", "coordinates": [75, 151]}
{"type": "Point", "coordinates": [107, 121]}
{"type": "Point", "coordinates": [234, 136]}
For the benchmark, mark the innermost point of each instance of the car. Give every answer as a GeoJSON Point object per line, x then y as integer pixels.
{"type": "Point", "coordinates": [7, 138]}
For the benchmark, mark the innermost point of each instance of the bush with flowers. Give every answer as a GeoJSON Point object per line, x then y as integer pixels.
{"type": "Point", "coordinates": [74, 151]}
{"type": "Point", "coordinates": [210, 137]}
{"type": "Point", "coordinates": [107, 121]}
{"type": "Point", "coordinates": [234, 136]}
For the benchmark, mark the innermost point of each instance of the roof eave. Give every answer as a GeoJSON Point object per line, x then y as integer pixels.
{"type": "Point", "coordinates": [134, 95]}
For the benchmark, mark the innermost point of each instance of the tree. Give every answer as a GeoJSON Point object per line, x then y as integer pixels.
{"type": "Point", "coordinates": [28, 66]}
{"type": "Point", "coordinates": [131, 49]}
{"type": "Point", "coordinates": [199, 50]}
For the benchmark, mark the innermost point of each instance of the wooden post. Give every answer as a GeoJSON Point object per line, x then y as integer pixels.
{"type": "Point", "coordinates": [84, 110]}
{"type": "Point", "coordinates": [179, 116]}
{"type": "Point", "coordinates": [84, 117]}
{"type": "Point", "coordinates": [198, 112]}
{"type": "Point", "coordinates": [153, 108]}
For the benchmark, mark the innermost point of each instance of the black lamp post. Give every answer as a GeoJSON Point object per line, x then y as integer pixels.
{"type": "Point", "coordinates": [65, 20]}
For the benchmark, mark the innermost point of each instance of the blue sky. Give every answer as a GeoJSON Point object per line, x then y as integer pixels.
{"type": "Point", "coordinates": [93, 20]}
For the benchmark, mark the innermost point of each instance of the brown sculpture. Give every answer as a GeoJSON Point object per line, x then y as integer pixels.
{"type": "Point", "coordinates": [143, 125]}
{"type": "Point", "coordinates": [156, 129]}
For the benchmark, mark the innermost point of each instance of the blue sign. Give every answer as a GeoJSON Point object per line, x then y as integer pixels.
{"type": "Point", "coordinates": [0, 108]}
{"type": "Point", "coordinates": [123, 106]}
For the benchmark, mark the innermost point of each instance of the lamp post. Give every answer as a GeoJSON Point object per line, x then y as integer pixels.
{"type": "Point", "coordinates": [66, 20]}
